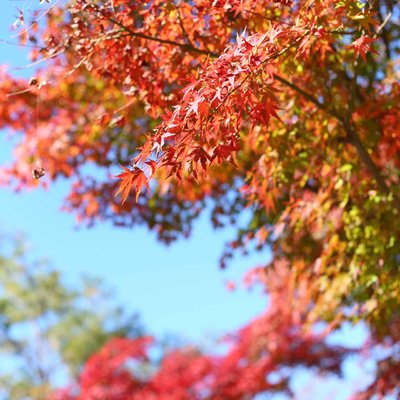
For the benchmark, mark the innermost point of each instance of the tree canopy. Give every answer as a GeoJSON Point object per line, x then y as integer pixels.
{"type": "Point", "coordinates": [281, 117]}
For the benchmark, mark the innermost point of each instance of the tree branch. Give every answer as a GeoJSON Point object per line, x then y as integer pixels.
{"type": "Point", "coordinates": [140, 35]}
{"type": "Point", "coordinates": [308, 96]}
{"type": "Point", "coordinates": [352, 135]}
{"type": "Point", "coordinates": [365, 157]}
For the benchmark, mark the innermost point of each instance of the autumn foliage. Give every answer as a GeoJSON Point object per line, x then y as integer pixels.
{"type": "Point", "coordinates": [283, 112]}
{"type": "Point", "coordinates": [274, 343]}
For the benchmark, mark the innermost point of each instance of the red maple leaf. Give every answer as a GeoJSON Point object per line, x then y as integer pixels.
{"type": "Point", "coordinates": [131, 178]}
{"type": "Point", "coordinates": [362, 46]}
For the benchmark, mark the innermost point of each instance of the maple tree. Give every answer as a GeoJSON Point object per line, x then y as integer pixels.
{"type": "Point", "coordinates": [286, 112]}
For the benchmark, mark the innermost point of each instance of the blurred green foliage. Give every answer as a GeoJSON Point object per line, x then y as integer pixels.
{"type": "Point", "coordinates": [48, 329]}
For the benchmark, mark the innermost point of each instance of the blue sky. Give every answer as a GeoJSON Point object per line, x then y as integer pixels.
{"type": "Point", "coordinates": [177, 289]}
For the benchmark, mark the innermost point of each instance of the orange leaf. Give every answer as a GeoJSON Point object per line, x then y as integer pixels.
{"type": "Point", "coordinates": [127, 178]}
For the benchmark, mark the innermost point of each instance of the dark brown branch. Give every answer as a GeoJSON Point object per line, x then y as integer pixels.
{"type": "Point", "coordinates": [352, 135]}
{"type": "Point", "coordinates": [308, 96]}
{"type": "Point", "coordinates": [184, 46]}
{"type": "Point", "coordinates": [355, 140]}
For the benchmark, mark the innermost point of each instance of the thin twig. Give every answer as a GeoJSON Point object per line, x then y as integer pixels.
{"type": "Point", "coordinates": [50, 56]}
{"type": "Point", "coordinates": [383, 24]}
{"type": "Point", "coordinates": [26, 30]}
{"type": "Point", "coordinates": [32, 46]}
{"type": "Point", "coordinates": [29, 89]}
